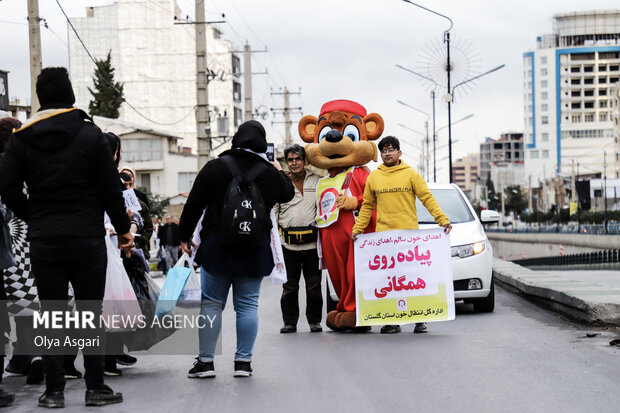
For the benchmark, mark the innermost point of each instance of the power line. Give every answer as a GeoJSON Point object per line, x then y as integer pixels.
{"type": "Point", "coordinates": [111, 84]}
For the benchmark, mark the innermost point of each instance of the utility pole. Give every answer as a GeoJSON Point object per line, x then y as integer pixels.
{"type": "Point", "coordinates": [529, 191]}
{"type": "Point", "coordinates": [203, 124]}
{"type": "Point", "coordinates": [35, 52]}
{"type": "Point", "coordinates": [247, 81]}
{"type": "Point", "coordinates": [288, 139]}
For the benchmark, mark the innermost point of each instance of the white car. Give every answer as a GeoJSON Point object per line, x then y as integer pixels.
{"type": "Point", "coordinates": [472, 254]}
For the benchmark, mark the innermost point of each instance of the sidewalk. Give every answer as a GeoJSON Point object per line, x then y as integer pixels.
{"type": "Point", "coordinates": [590, 296]}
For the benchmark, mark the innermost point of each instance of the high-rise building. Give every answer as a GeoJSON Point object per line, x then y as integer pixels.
{"type": "Point", "coordinates": [568, 84]}
{"type": "Point", "coordinates": [153, 53]}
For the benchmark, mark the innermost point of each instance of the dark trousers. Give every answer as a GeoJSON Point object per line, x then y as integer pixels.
{"type": "Point", "coordinates": [296, 261]}
{"type": "Point", "coordinates": [82, 262]}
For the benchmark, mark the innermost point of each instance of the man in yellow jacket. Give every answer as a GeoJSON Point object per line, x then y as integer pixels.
{"type": "Point", "coordinates": [392, 189]}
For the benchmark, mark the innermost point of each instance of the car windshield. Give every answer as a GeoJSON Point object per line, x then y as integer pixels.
{"type": "Point", "coordinates": [452, 204]}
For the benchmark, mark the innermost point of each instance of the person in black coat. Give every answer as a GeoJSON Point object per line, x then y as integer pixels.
{"type": "Point", "coordinates": [67, 165]}
{"type": "Point", "coordinates": [225, 266]}
{"type": "Point", "coordinates": [168, 235]}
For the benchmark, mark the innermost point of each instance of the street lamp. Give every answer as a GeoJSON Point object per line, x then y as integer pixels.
{"type": "Point", "coordinates": [426, 140]}
{"type": "Point", "coordinates": [474, 78]}
{"type": "Point", "coordinates": [433, 99]}
{"type": "Point", "coordinates": [446, 39]}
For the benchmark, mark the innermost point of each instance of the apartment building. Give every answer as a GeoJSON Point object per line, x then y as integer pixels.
{"type": "Point", "coordinates": [569, 81]}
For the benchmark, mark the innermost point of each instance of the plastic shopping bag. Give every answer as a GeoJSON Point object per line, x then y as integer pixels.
{"type": "Point", "coordinates": [120, 305]}
{"type": "Point", "coordinates": [191, 293]}
{"type": "Point", "coordinates": [173, 286]}
{"type": "Point", "coordinates": [153, 333]}
{"type": "Point", "coordinates": [278, 275]}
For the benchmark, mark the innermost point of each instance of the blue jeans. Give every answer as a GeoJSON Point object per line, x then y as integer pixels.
{"type": "Point", "coordinates": [215, 289]}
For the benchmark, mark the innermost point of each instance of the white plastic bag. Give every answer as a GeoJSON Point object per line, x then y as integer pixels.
{"type": "Point", "coordinates": [121, 309]}
{"type": "Point", "coordinates": [278, 275]}
{"type": "Point", "coordinates": [191, 293]}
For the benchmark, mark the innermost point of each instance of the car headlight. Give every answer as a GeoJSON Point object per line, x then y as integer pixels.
{"type": "Point", "coordinates": [464, 251]}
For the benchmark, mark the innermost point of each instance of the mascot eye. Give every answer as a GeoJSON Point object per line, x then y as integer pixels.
{"type": "Point", "coordinates": [352, 133]}
{"type": "Point", "coordinates": [324, 132]}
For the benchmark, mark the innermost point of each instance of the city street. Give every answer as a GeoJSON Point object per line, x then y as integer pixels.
{"type": "Point", "coordinates": [519, 358]}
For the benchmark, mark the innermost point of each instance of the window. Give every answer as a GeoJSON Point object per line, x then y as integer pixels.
{"type": "Point", "coordinates": [544, 107]}
{"type": "Point", "coordinates": [543, 83]}
{"type": "Point", "coordinates": [543, 72]}
{"type": "Point", "coordinates": [602, 117]}
{"type": "Point", "coordinates": [544, 95]}
{"type": "Point", "coordinates": [136, 150]}
{"type": "Point", "coordinates": [588, 117]}
{"type": "Point", "coordinates": [544, 120]}
{"type": "Point", "coordinates": [602, 104]}
{"type": "Point", "coordinates": [186, 180]}
{"type": "Point", "coordinates": [236, 66]}
{"type": "Point", "coordinates": [602, 92]}
{"type": "Point", "coordinates": [575, 93]}
{"type": "Point", "coordinates": [575, 118]}
{"type": "Point", "coordinates": [543, 60]}
{"type": "Point", "coordinates": [237, 91]}
{"type": "Point", "coordinates": [545, 153]}
{"type": "Point", "coordinates": [144, 181]}
{"type": "Point", "coordinates": [533, 154]}
{"type": "Point", "coordinates": [545, 137]}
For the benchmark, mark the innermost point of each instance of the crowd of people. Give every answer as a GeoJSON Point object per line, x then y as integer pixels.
{"type": "Point", "coordinates": [60, 177]}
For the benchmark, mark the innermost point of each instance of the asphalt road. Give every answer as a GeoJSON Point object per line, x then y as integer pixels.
{"type": "Point", "coordinates": [519, 358]}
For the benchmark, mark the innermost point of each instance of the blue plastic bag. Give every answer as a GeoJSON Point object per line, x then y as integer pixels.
{"type": "Point", "coordinates": [173, 286]}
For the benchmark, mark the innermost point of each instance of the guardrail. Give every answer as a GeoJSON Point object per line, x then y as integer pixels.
{"type": "Point", "coordinates": [590, 229]}
{"type": "Point", "coordinates": [596, 257]}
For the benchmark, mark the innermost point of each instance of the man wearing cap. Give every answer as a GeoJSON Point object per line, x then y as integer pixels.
{"type": "Point", "coordinates": [67, 166]}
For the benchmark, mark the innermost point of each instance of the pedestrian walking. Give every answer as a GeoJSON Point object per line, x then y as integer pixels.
{"type": "Point", "coordinates": [225, 260]}
{"type": "Point", "coordinates": [297, 224]}
{"type": "Point", "coordinates": [392, 189]}
{"type": "Point", "coordinates": [168, 235]}
{"type": "Point", "coordinates": [66, 163]}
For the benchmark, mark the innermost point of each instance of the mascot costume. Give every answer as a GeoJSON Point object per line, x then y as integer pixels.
{"type": "Point", "coordinates": [340, 142]}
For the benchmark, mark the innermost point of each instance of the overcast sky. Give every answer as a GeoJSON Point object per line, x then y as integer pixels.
{"type": "Point", "coordinates": [348, 49]}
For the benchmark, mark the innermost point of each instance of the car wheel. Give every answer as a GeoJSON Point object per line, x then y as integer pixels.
{"type": "Point", "coordinates": [486, 305]}
{"type": "Point", "coordinates": [329, 301]}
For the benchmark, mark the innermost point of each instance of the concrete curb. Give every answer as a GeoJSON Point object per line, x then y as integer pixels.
{"type": "Point", "coordinates": [583, 301]}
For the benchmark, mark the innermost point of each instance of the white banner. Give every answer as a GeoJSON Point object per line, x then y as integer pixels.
{"type": "Point", "coordinates": [403, 276]}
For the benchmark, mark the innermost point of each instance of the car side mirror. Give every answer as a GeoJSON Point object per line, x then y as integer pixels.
{"type": "Point", "coordinates": [488, 216]}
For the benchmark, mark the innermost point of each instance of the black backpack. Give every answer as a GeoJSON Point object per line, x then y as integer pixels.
{"type": "Point", "coordinates": [244, 220]}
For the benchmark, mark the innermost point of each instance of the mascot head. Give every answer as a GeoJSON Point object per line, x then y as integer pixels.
{"type": "Point", "coordinates": [341, 136]}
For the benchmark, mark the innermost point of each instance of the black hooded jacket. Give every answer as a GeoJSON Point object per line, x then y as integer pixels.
{"type": "Point", "coordinates": [209, 191]}
{"type": "Point", "coordinates": [67, 166]}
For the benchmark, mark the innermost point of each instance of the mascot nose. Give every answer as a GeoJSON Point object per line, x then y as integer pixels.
{"type": "Point", "coordinates": [333, 135]}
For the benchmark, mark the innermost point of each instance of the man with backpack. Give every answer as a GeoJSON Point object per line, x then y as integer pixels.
{"type": "Point", "coordinates": [238, 190]}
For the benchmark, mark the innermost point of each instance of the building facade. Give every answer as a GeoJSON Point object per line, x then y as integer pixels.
{"type": "Point", "coordinates": [568, 85]}
{"type": "Point", "coordinates": [154, 56]}
{"type": "Point", "coordinates": [502, 157]}
{"type": "Point", "coordinates": [162, 164]}
{"type": "Point", "coordinates": [465, 174]}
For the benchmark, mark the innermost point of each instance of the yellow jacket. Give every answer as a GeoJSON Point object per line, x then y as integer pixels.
{"type": "Point", "coordinates": [393, 190]}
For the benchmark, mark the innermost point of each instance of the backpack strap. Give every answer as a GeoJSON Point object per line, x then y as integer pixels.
{"type": "Point", "coordinates": [236, 173]}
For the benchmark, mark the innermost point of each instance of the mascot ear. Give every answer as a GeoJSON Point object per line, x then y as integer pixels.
{"type": "Point", "coordinates": [374, 126]}
{"type": "Point", "coordinates": [306, 127]}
